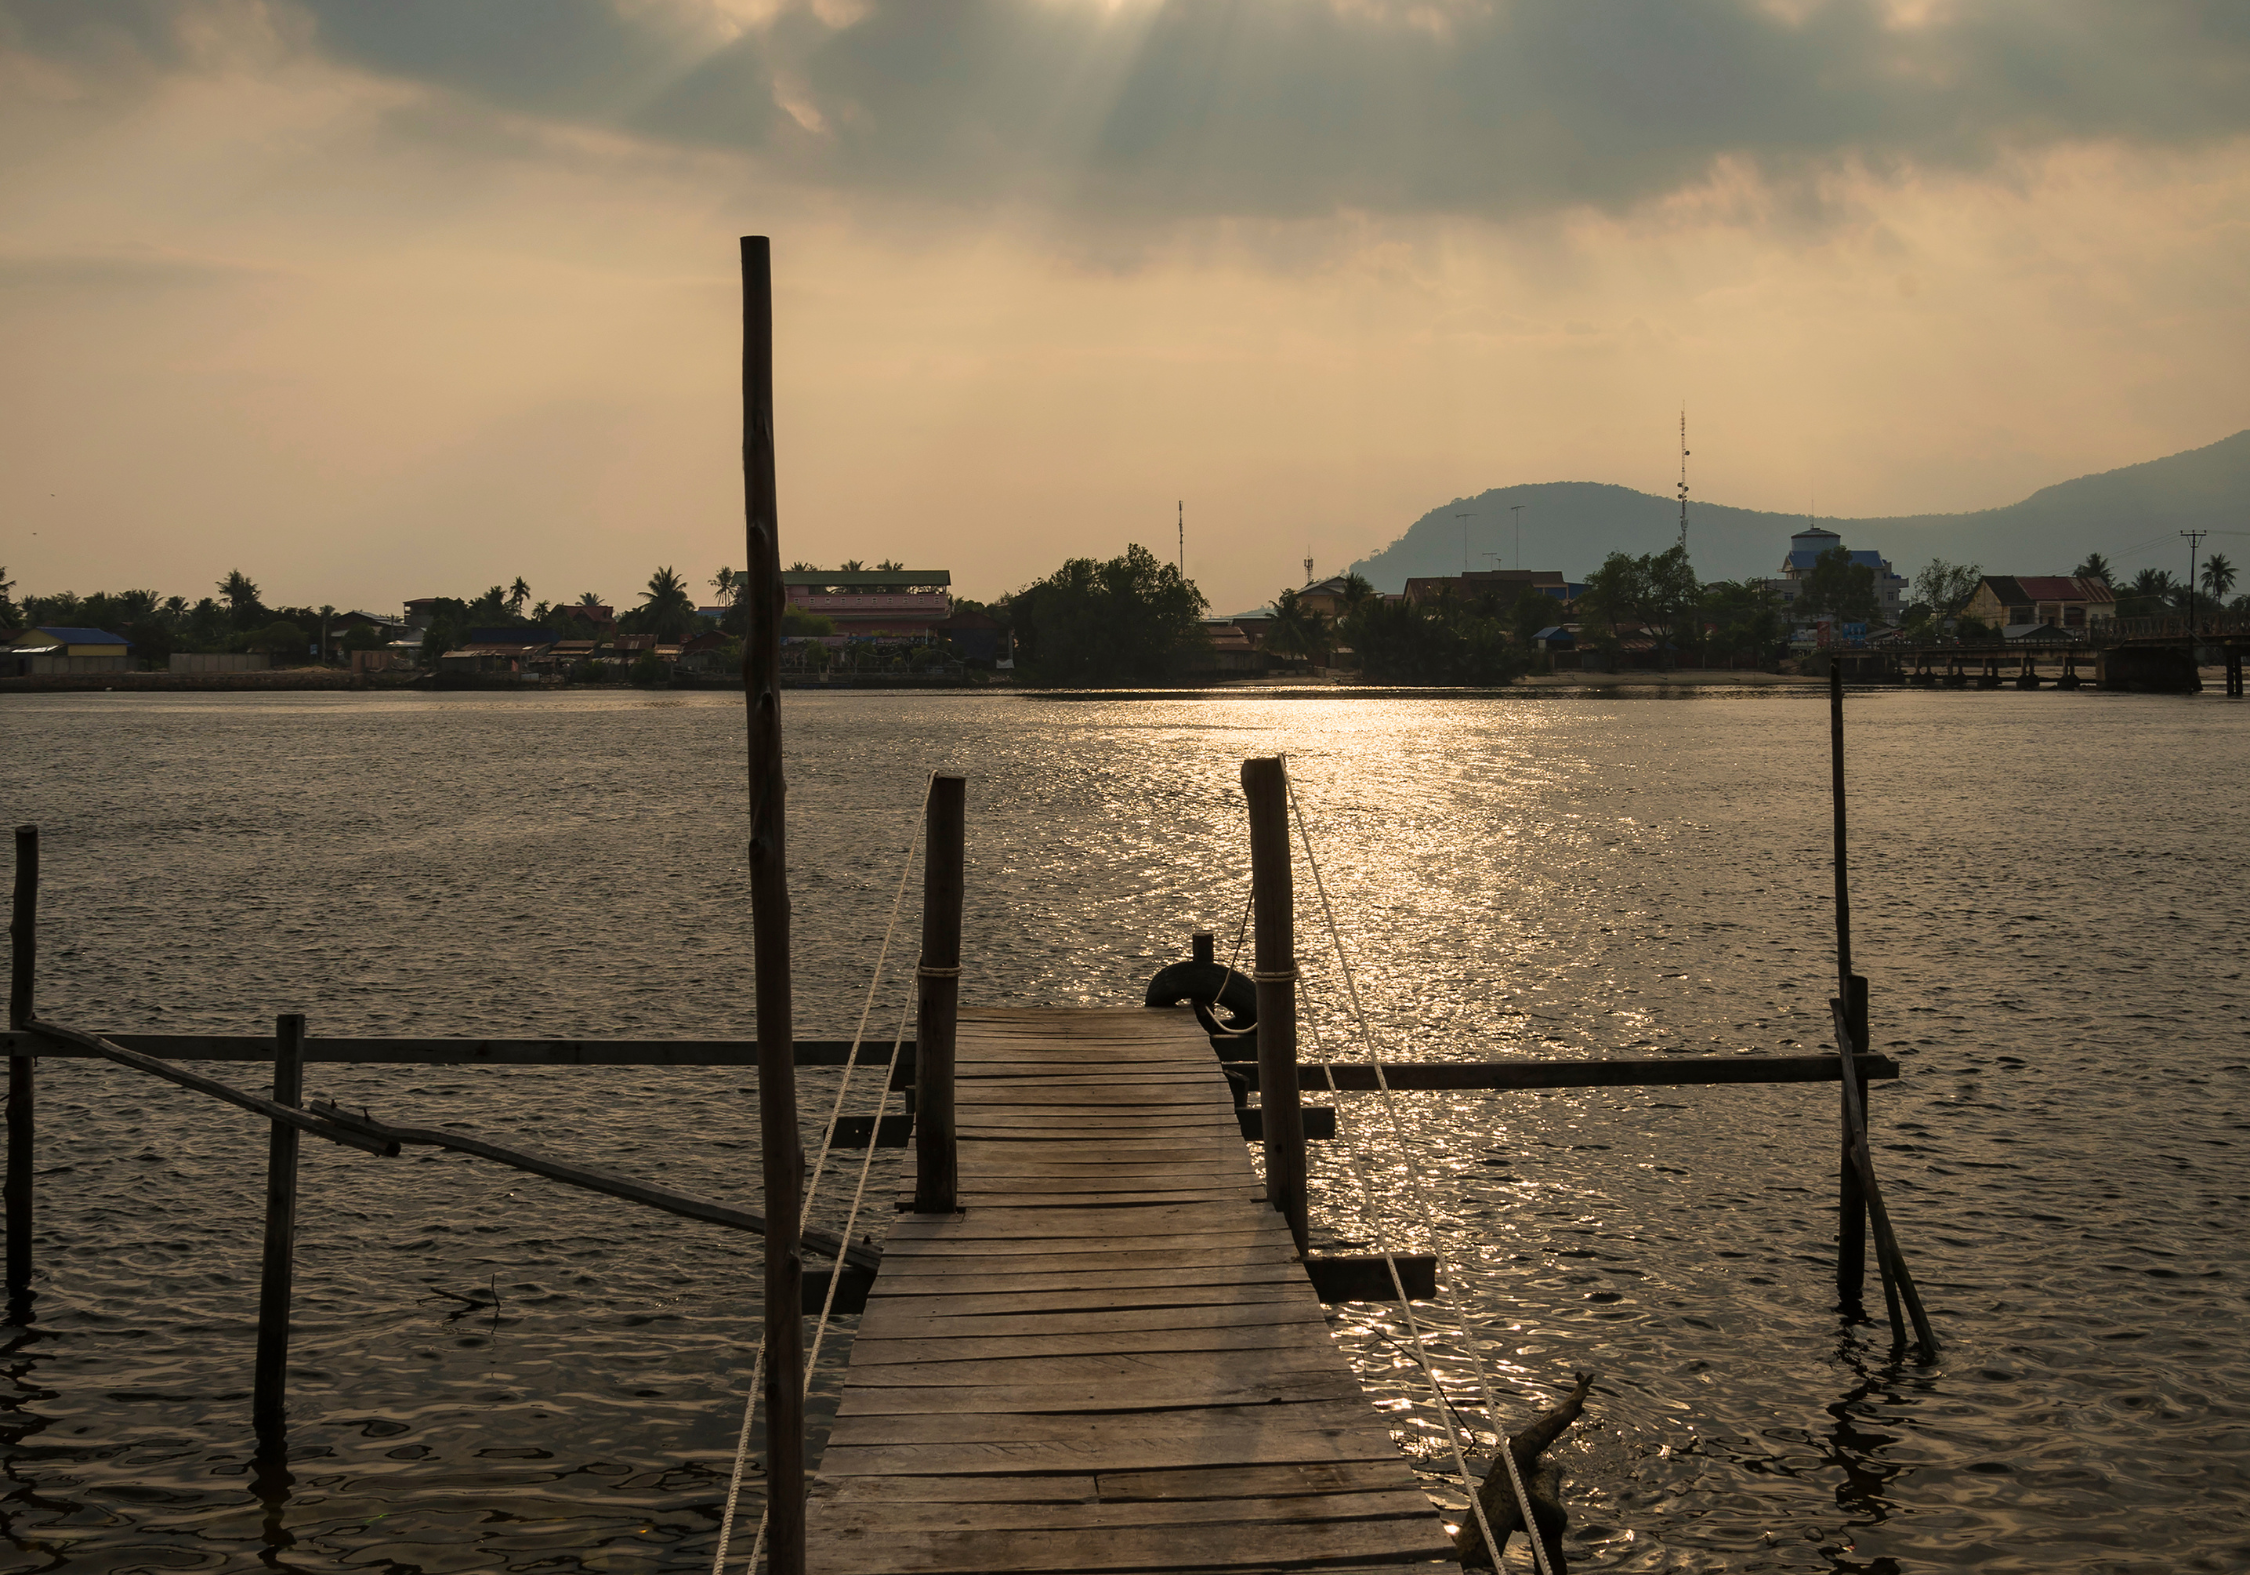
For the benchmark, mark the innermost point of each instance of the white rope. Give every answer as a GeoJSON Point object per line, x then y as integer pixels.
{"type": "Point", "coordinates": [1398, 1285]}
{"type": "Point", "coordinates": [851, 1220]}
{"type": "Point", "coordinates": [812, 1191]}
{"type": "Point", "coordinates": [1429, 1224]}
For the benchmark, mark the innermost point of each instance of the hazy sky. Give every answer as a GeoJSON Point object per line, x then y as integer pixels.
{"type": "Point", "coordinates": [383, 298]}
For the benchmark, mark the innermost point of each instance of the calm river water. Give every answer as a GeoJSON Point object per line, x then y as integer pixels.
{"type": "Point", "coordinates": [2052, 896]}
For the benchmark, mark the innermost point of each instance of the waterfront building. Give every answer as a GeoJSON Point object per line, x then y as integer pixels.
{"type": "Point", "coordinates": [1805, 548]}
{"type": "Point", "coordinates": [877, 601]}
{"type": "Point", "coordinates": [1507, 585]}
{"type": "Point", "coordinates": [2013, 602]}
{"type": "Point", "coordinates": [66, 650]}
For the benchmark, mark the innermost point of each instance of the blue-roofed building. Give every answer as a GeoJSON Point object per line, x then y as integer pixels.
{"type": "Point", "coordinates": [1805, 548]}
{"type": "Point", "coordinates": [62, 650]}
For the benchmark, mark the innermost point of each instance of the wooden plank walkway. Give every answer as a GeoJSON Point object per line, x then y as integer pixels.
{"type": "Point", "coordinates": [1111, 1360]}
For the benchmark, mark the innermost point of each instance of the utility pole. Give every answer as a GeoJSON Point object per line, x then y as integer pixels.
{"type": "Point", "coordinates": [2194, 540]}
{"type": "Point", "coordinates": [1683, 478]}
{"type": "Point", "coordinates": [1517, 510]}
{"type": "Point", "coordinates": [1464, 519]}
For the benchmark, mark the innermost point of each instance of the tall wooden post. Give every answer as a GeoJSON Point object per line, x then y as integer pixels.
{"type": "Point", "coordinates": [1851, 1198]}
{"type": "Point", "coordinates": [782, 1149]}
{"type": "Point", "coordinates": [1273, 921]}
{"type": "Point", "coordinates": [937, 999]}
{"type": "Point", "coordinates": [270, 1394]}
{"type": "Point", "coordinates": [23, 937]}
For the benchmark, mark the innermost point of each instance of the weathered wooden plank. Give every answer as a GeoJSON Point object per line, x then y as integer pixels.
{"type": "Point", "coordinates": [480, 1052]}
{"type": "Point", "coordinates": [984, 1348]}
{"type": "Point", "coordinates": [1258, 1481]}
{"type": "Point", "coordinates": [1107, 1447]}
{"type": "Point", "coordinates": [993, 1168]}
{"type": "Point", "coordinates": [1259, 1235]}
{"type": "Point", "coordinates": [1263, 1545]}
{"type": "Point", "coordinates": [1605, 1072]}
{"type": "Point", "coordinates": [1035, 1489]}
{"type": "Point", "coordinates": [989, 1197]}
{"type": "Point", "coordinates": [1300, 1419]}
{"type": "Point", "coordinates": [1181, 1219]}
{"type": "Point", "coordinates": [1109, 1368]}
{"type": "Point", "coordinates": [1090, 1399]}
{"type": "Point", "coordinates": [1041, 1303]}
{"type": "Point", "coordinates": [987, 1516]}
{"type": "Point", "coordinates": [880, 1323]}
{"type": "Point", "coordinates": [1194, 1265]}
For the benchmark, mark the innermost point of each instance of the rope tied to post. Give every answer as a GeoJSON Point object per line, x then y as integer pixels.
{"type": "Point", "coordinates": [1429, 1224]}
{"type": "Point", "coordinates": [812, 1191]}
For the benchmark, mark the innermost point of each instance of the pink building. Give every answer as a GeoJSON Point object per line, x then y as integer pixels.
{"type": "Point", "coordinates": [878, 601]}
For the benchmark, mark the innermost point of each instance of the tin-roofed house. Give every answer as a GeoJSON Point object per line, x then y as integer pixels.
{"type": "Point", "coordinates": [498, 651]}
{"type": "Point", "coordinates": [2016, 603]}
{"type": "Point", "coordinates": [67, 650]}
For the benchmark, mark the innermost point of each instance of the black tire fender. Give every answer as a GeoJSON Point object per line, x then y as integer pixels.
{"type": "Point", "coordinates": [1205, 985]}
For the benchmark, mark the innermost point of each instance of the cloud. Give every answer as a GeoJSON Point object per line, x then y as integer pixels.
{"type": "Point", "coordinates": [131, 269]}
{"type": "Point", "coordinates": [1141, 111]}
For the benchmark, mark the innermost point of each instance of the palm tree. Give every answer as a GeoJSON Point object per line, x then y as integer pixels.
{"type": "Point", "coordinates": [2093, 567]}
{"type": "Point", "coordinates": [1297, 631]}
{"type": "Point", "coordinates": [729, 584]}
{"type": "Point", "coordinates": [243, 606]}
{"type": "Point", "coordinates": [667, 611]}
{"type": "Point", "coordinates": [2218, 576]}
{"type": "Point", "coordinates": [589, 598]}
{"type": "Point", "coordinates": [518, 594]}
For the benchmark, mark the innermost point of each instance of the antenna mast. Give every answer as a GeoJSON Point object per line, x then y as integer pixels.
{"type": "Point", "coordinates": [1183, 538]}
{"type": "Point", "coordinates": [1683, 478]}
{"type": "Point", "coordinates": [1464, 519]}
{"type": "Point", "coordinates": [1517, 510]}
{"type": "Point", "coordinates": [1308, 566]}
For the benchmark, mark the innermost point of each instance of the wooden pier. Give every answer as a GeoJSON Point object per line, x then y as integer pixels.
{"type": "Point", "coordinates": [1110, 1358]}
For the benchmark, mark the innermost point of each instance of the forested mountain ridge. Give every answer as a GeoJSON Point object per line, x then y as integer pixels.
{"type": "Point", "coordinates": [2132, 516]}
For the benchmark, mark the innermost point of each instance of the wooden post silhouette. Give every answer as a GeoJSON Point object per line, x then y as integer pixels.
{"type": "Point", "coordinates": [23, 951]}
{"type": "Point", "coordinates": [782, 1150]}
{"type": "Point", "coordinates": [937, 996]}
{"type": "Point", "coordinates": [1273, 919]}
{"type": "Point", "coordinates": [270, 1394]}
{"type": "Point", "coordinates": [1851, 1199]}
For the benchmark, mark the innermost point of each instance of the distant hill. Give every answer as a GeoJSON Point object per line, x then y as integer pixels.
{"type": "Point", "coordinates": [2130, 516]}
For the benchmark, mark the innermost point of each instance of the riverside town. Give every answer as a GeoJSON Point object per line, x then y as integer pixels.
{"type": "Point", "coordinates": [1134, 620]}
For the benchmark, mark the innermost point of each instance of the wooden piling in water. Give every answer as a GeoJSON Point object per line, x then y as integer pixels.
{"type": "Point", "coordinates": [782, 1152]}
{"type": "Point", "coordinates": [1273, 922]}
{"type": "Point", "coordinates": [1851, 1200]}
{"type": "Point", "coordinates": [270, 1392]}
{"type": "Point", "coordinates": [937, 998]}
{"type": "Point", "coordinates": [23, 951]}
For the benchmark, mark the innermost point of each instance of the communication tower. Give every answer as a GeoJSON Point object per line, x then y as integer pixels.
{"type": "Point", "coordinates": [1683, 477]}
